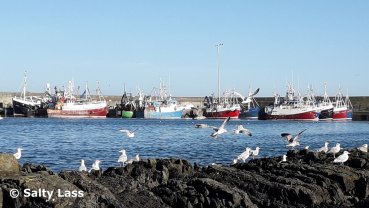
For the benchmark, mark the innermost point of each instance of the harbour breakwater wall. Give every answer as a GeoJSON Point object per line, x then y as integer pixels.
{"type": "Point", "coordinates": [306, 179]}
{"type": "Point", "coordinates": [360, 103]}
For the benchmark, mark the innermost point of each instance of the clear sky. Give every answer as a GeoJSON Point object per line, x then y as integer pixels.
{"type": "Point", "coordinates": [139, 43]}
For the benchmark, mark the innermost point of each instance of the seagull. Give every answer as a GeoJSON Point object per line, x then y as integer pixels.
{"type": "Point", "coordinates": [335, 150]}
{"type": "Point", "coordinates": [244, 155]}
{"type": "Point", "coordinates": [342, 158]}
{"type": "Point", "coordinates": [130, 134]}
{"type": "Point", "coordinates": [123, 157]}
{"type": "Point", "coordinates": [284, 159]}
{"type": "Point", "coordinates": [255, 152]}
{"type": "Point", "coordinates": [18, 154]}
{"type": "Point", "coordinates": [241, 130]}
{"type": "Point", "coordinates": [293, 144]}
{"type": "Point", "coordinates": [204, 126]}
{"type": "Point", "coordinates": [221, 129]}
{"type": "Point", "coordinates": [136, 158]}
{"type": "Point", "coordinates": [82, 167]}
{"type": "Point", "coordinates": [363, 148]}
{"type": "Point", "coordinates": [324, 149]}
{"type": "Point", "coordinates": [95, 165]}
{"type": "Point", "coordinates": [306, 147]}
{"type": "Point", "coordinates": [291, 138]}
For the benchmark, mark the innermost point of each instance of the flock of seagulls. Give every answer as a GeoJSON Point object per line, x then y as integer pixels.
{"type": "Point", "coordinates": [122, 160]}
{"type": "Point", "coordinates": [292, 141]}
{"type": "Point", "coordinates": [221, 129]}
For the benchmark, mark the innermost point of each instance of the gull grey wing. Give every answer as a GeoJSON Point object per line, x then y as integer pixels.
{"type": "Point", "coordinates": [224, 123]}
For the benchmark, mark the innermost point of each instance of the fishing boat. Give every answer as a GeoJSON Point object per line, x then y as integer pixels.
{"type": "Point", "coordinates": [291, 107]}
{"type": "Point", "coordinates": [70, 105]}
{"type": "Point", "coordinates": [250, 107]}
{"type": "Point", "coordinates": [325, 106]}
{"type": "Point", "coordinates": [342, 107]}
{"type": "Point", "coordinates": [160, 105]}
{"type": "Point", "coordinates": [221, 107]}
{"type": "Point", "coordinates": [28, 106]}
{"type": "Point", "coordinates": [127, 105]}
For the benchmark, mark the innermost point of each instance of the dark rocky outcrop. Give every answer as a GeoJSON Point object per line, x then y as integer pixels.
{"type": "Point", "coordinates": [307, 179]}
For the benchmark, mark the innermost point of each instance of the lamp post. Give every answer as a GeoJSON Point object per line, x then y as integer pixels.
{"type": "Point", "coordinates": [218, 64]}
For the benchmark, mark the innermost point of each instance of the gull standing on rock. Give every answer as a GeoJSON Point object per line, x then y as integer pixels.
{"type": "Point", "coordinates": [135, 159]}
{"type": "Point", "coordinates": [95, 165]}
{"type": "Point", "coordinates": [244, 155]}
{"type": "Point", "coordinates": [123, 157]}
{"type": "Point", "coordinates": [291, 138]}
{"type": "Point", "coordinates": [82, 167]}
{"type": "Point", "coordinates": [284, 159]}
{"type": "Point", "coordinates": [324, 149]}
{"type": "Point", "coordinates": [335, 149]}
{"type": "Point", "coordinates": [18, 154]}
{"type": "Point", "coordinates": [221, 129]}
{"type": "Point", "coordinates": [342, 158]}
{"type": "Point", "coordinates": [363, 148]}
{"type": "Point", "coordinates": [255, 152]}
{"type": "Point", "coordinates": [241, 130]}
{"type": "Point", "coordinates": [128, 133]}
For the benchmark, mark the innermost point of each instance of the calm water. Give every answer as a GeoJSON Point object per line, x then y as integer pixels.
{"type": "Point", "coordinates": [61, 143]}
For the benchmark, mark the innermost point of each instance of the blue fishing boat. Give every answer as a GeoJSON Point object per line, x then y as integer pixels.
{"type": "Point", "coordinates": [250, 107]}
{"type": "Point", "coordinates": [160, 105]}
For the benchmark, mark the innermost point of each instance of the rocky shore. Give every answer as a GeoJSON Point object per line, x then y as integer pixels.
{"type": "Point", "coordinates": [307, 179]}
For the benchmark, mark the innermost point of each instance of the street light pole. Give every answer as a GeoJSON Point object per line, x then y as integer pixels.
{"type": "Point", "coordinates": [218, 65]}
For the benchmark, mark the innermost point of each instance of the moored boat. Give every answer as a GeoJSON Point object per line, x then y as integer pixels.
{"type": "Point", "coordinates": [127, 105]}
{"type": "Point", "coordinates": [250, 107]}
{"type": "Point", "coordinates": [69, 105]}
{"type": "Point", "coordinates": [342, 107]}
{"type": "Point", "coordinates": [326, 107]}
{"type": "Point", "coordinates": [292, 107]}
{"type": "Point", "coordinates": [28, 106]}
{"type": "Point", "coordinates": [160, 105]}
{"type": "Point", "coordinates": [223, 107]}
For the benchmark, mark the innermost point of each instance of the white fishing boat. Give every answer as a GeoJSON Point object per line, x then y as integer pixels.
{"type": "Point", "coordinates": [70, 105]}
{"type": "Point", "coordinates": [291, 107]}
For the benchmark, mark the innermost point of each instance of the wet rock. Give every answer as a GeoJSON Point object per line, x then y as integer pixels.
{"type": "Point", "coordinates": [8, 164]}
{"type": "Point", "coordinates": [34, 168]}
{"type": "Point", "coordinates": [307, 179]}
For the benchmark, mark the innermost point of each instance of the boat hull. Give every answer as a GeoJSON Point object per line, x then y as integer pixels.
{"type": "Point", "coordinates": [342, 114]}
{"type": "Point", "coordinates": [127, 114]}
{"type": "Point", "coordinates": [21, 109]}
{"type": "Point", "coordinates": [326, 114]}
{"type": "Point", "coordinates": [251, 113]}
{"type": "Point", "coordinates": [152, 114]}
{"type": "Point", "coordinates": [222, 114]}
{"type": "Point", "coordinates": [90, 113]}
{"type": "Point", "coordinates": [304, 115]}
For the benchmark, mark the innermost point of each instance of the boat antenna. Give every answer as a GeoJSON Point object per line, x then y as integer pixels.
{"type": "Point", "coordinates": [218, 66]}
{"type": "Point", "coordinates": [169, 87]}
{"type": "Point", "coordinates": [24, 84]}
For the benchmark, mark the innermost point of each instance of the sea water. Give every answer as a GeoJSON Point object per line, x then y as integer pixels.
{"type": "Point", "coordinates": [60, 144]}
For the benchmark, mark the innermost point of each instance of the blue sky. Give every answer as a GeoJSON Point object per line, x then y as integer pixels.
{"type": "Point", "coordinates": [139, 43]}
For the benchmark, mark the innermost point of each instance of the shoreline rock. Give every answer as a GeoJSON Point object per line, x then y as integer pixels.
{"type": "Point", "coordinates": [307, 179]}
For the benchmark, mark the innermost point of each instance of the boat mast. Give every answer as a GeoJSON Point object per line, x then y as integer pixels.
{"type": "Point", "coordinates": [218, 63]}
{"type": "Point", "coordinates": [24, 85]}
